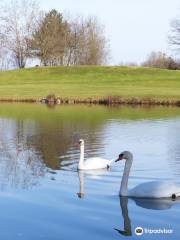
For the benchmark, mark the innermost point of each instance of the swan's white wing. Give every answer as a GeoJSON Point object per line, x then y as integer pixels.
{"type": "Point", "coordinates": [155, 189]}
{"type": "Point", "coordinates": [96, 163]}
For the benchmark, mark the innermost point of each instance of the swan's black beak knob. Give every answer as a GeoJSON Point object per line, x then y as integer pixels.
{"type": "Point", "coordinates": [120, 157]}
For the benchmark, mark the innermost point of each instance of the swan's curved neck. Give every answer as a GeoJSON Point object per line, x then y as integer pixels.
{"type": "Point", "coordinates": [81, 160]}
{"type": "Point", "coordinates": [124, 181]}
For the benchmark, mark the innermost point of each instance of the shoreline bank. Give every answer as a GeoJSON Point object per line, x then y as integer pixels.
{"type": "Point", "coordinates": [97, 101]}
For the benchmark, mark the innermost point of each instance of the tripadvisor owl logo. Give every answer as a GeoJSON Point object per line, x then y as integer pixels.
{"type": "Point", "coordinates": [139, 231]}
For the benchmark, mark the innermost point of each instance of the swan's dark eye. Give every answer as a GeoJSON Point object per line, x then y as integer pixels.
{"type": "Point", "coordinates": [80, 142]}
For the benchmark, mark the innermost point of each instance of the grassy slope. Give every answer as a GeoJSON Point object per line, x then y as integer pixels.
{"type": "Point", "coordinates": [84, 82]}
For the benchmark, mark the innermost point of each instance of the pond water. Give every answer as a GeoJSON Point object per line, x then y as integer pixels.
{"type": "Point", "coordinates": [42, 196]}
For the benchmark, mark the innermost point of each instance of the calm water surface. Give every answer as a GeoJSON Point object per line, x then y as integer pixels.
{"type": "Point", "coordinates": [42, 196]}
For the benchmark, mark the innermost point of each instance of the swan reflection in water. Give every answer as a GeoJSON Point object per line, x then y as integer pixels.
{"type": "Point", "coordinates": [147, 203]}
{"type": "Point", "coordinates": [125, 215]}
{"type": "Point", "coordinates": [93, 174]}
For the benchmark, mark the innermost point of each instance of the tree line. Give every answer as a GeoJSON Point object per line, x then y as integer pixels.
{"type": "Point", "coordinates": [28, 32]}
{"type": "Point", "coordinates": [161, 60]}
{"type": "Point", "coordinates": [56, 40]}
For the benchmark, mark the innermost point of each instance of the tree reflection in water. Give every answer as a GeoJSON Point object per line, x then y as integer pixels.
{"type": "Point", "coordinates": [31, 148]}
{"type": "Point", "coordinates": [20, 166]}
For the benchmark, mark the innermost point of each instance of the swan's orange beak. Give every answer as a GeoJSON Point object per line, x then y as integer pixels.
{"type": "Point", "coordinates": [119, 158]}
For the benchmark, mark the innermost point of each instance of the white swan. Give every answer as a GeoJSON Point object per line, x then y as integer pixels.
{"type": "Point", "coordinates": [91, 163]}
{"type": "Point", "coordinates": [154, 189]}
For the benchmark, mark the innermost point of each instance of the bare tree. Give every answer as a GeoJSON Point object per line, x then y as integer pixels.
{"type": "Point", "coordinates": [95, 43]}
{"type": "Point", "coordinates": [74, 39]}
{"type": "Point", "coordinates": [17, 22]}
{"type": "Point", "coordinates": [174, 36]}
{"type": "Point", "coordinates": [86, 42]}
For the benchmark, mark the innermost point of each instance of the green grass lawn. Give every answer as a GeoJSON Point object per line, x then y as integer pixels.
{"type": "Point", "coordinates": [90, 81]}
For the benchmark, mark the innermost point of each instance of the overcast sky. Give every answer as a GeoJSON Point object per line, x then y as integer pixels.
{"type": "Point", "coordinates": [134, 27]}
